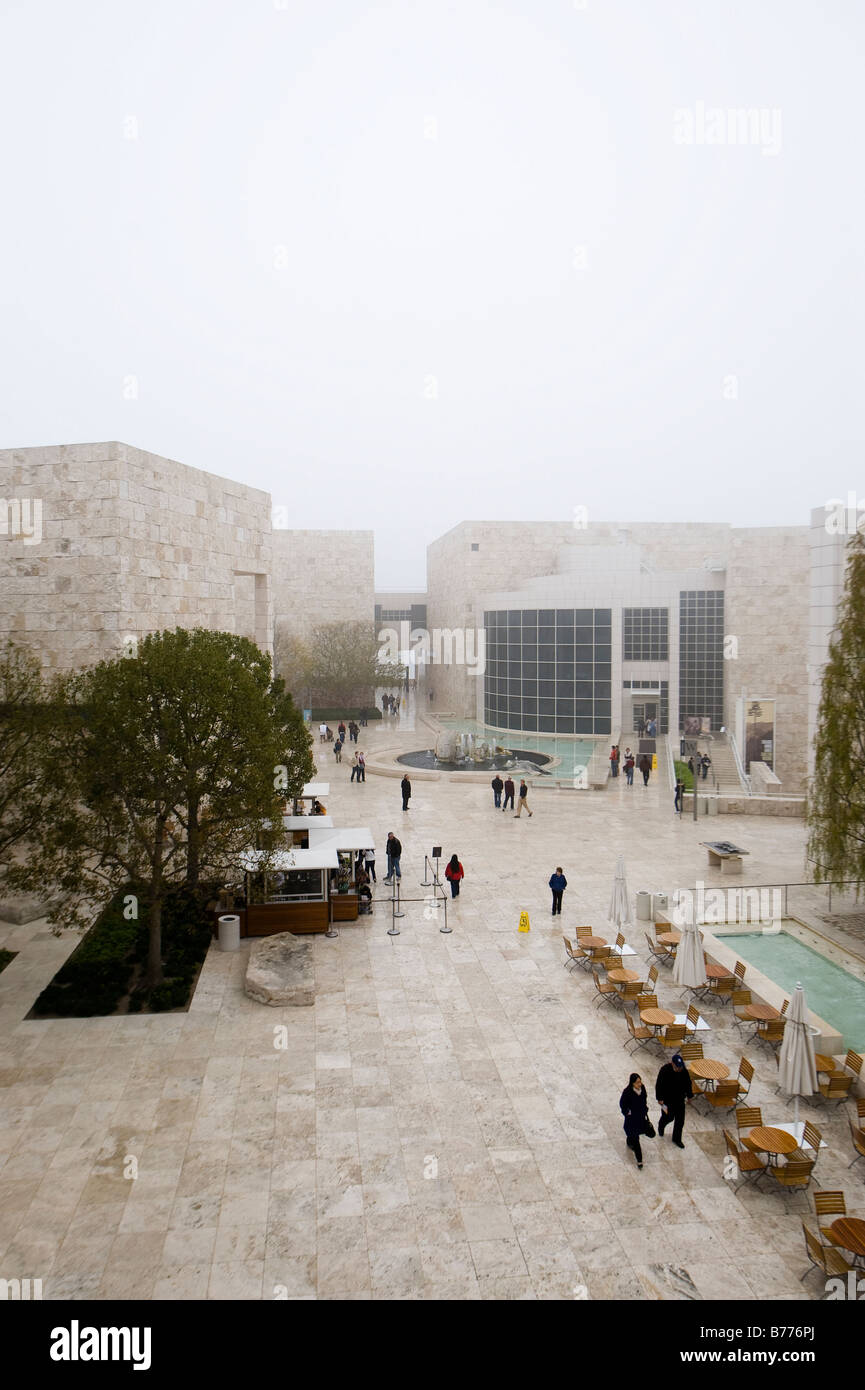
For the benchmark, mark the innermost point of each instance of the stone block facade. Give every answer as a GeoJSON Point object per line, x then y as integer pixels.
{"type": "Point", "coordinates": [130, 543]}
{"type": "Point", "coordinates": [322, 577]}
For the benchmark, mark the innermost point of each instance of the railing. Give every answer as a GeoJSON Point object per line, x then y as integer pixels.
{"type": "Point", "coordinates": [744, 779]}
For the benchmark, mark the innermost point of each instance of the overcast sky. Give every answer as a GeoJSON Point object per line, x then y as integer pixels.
{"type": "Point", "coordinates": [412, 263]}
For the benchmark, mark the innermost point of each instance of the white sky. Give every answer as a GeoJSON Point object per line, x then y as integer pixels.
{"type": "Point", "coordinates": [283, 257]}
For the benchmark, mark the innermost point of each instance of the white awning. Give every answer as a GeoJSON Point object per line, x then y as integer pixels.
{"type": "Point", "coordinates": [343, 837]}
{"type": "Point", "coordinates": [316, 789]}
{"type": "Point", "coordinates": [285, 859]}
{"type": "Point", "coordinates": [303, 822]}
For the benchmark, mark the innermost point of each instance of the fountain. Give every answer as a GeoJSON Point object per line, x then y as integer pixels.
{"type": "Point", "coordinates": [473, 752]}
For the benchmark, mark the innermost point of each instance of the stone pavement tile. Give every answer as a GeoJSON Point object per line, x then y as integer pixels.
{"type": "Point", "coordinates": [342, 1267]}
{"type": "Point", "coordinates": [770, 1277]}
{"type": "Point", "coordinates": [289, 1277]}
{"type": "Point", "coordinates": [182, 1282]}
{"type": "Point", "coordinates": [720, 1279]}
{"type": "Point", "coordinates": [534, 1220]}
{"type": "Point", "coordinates": [501, 1258]}
{"type": "Point", "coordinates": [196, 1213]}
{"type": "Point", "coordinates": [72, 1287]}
{"type": "Point", "coordinates": [667, 1281]}
{"type": "Point", "coordinates": [239, 1245]}
{"type": "Point", "coordinates": [238, 1279]}
{"type": "Point", "coordinates": [514, 1288]}
{"type": "Point", "coordinates": [192, 1245]}
{"type": "Point", "coordinates": [486, 1221]}
{"type": "Point", "coordinates": [446, 1262]}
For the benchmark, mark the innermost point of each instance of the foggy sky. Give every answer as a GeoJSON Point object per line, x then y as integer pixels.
{"type": "Point", "coordinates": [408, 264]}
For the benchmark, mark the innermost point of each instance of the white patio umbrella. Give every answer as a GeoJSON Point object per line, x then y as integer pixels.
{"type": "Point", "coordinates": [689, 970]}
{"type": "Point", "coordinates": [620, 902]}
{"type": "Point", "coordinates": [797, 1069]}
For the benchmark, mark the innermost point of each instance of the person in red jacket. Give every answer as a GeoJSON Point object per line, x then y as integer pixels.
{"type": "Point", "coordinates": [453, 873]}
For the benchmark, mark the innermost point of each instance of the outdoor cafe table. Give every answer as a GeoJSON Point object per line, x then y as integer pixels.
{"type": "Point", "coordinates": [849, 1233]}
{"type": "Point", "coordinates": [657, 1018]}
{"type": "Point", "coordinates": [826, 1064]}
{"type": "Point", "coordinates": [770, 1141]}
{"type": "Point", "coordinates": [761, 1012]}
{"type": "Point", "coordinates": [708, 1070]}
{"type": "Point", "coordinates": [623, 977]}
{"type": "Point", "coordinates": [670, 938]}
{"type": "Point", "coordinates": [718, 972]}
{"type": "Point", "coordinates": [591, 943]}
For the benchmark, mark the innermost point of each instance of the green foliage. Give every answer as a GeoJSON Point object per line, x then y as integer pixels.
{"type": "Point", "coordinates": [684, 774]}
{"type": "Point", "coordinates": [339, 666]}
{"type": "Point", "coordinates": [836, 798]}
{"type": "Point", "coordinates": [333, 715]}
{"type": "Point", "coordinates": [33, 781]}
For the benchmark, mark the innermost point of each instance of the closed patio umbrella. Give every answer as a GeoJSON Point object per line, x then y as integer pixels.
{"type": "Point", "coordinates": [689, 969]}
{"type": "Point", "coordinates": [797, 1069]}
{"type": "Point", "coordinates": [620, 903]}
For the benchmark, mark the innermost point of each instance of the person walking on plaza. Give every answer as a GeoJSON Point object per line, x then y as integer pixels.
{"type": "Point", "coordinates": [645, 768]}
{"type": "Point", "coordinates": [677, 799]}
{"type": "Point", "coordinates": [337, 749]}
{"type": "Point", "coordinates": [614, 761]}
{"type": "Point", "coordinates": [361, 767]}
{"type": "Point", "coordinates": [322, 733]}
{"type": "Point", "coordinates": [523, 803]}
{"type": "Point", "coordinates": [363, 719]}
{"type": "Point", "coordinates": [384, 704]}
{"type": "Point", "coordinates": [705, 764]}
{"type": "Point", "coordinates": [673, 1090]}
{"type": "Point", "coordinates": [353, 731]}
{"type": "Point", "coordinates": [558, 884]}
{"type": "Point", "coordinates": [405, 788]}
{"type": "Point", "coordinates": [629, 767]}
{"type": "Point", "coordinates": [634, 1105]}
{"type": "Point", "coordinates": [498, 787]}
{"type": "Point", "coordinates": [369, 861]}
{"type": "Point", "coordinates": [509, 793]}
{"type": "Point", "coordinates": [641, 727]}
{"type": "Point", "coordinates": [394, 850]}
{"type": "Point", "coordinates": [454, 873]}
{"type": "Point", "coordinates": [355, 768]}
{"type": "Point", "coordinates": [340, 729]}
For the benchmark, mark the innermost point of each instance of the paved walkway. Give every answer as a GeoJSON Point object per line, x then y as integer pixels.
{"type": "Point", "coordinates": [443, 1123]}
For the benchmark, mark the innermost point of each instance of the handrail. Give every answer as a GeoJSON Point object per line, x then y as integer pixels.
{"type": "Point", "coordinates": [744, 779]}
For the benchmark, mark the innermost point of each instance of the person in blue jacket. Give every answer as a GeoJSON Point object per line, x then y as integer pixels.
{"type": "Point", "coordinates": [634, 1105]}
{"type": "Point", "coordinates": [558, 883]}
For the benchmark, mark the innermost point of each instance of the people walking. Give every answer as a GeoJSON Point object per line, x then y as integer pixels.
{"type": "Point", "coordinates": [363, 718]}
{"type": "Point", "coordinates": [645, 768]}
{"type": "Point", "coordinates": [340, 728]}
{"type": "Point", "coordinates": [454, 873]}
{"type": "Point", "coordinates": [394, 850]}
{"type": "Point", "coordinates": [405, 788]}
{"type": "Point", "coordinates": [614, 761]}
{"type": "Point", "coordinates": [641, 727]}
{"type": "Point", "coordinates": [677, 799]}
{"type": "Point", "coordinates": [369, 861]}
{"type": "Point", "coordinates": [705, 764]}
{"type": "Point", "coordinates": [558, 884]}
{"type": "Point", "coordinates": [673, 1090]}
{"type": "Point", "coordinates": [355, 767]}
{"type": "Point", "coordinates": [361, 767]}
{"type": "Point", "coordinates": [322, 733]}
{"type": "Point", "coordinates": [629, 767]}
{"type": "Point", "coordinates": [498, 786]}
{"type": "Point", "coordinates": [634, 1105]}
{"type": "Point", "coordinates": [523, 803]}
{"type": "Point", "coordinates": [509, 793]}
{"type": "Point", "coordinates": [337, 749]}
{"type": "Point", "coordinates": [353, 731]}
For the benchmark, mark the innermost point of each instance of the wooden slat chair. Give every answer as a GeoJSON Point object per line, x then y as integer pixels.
{"type": "Point", "coordinates": [575, 957]}
{"type": "Point", "coordinates": [792, 1176]}
{"type": "Point", "coordinates": [692, 1018]}
{"type": "Point", "coordinates": [724, 1097]}
{"type": "Point", "coordinates": [828, 1203]}
{"type": "Point", "coordinates": [606, 991]}
{"type": "Point", "coordinates": [651, 979]}
{"type": "Point", "coordinates": [784, 1007]}
{"type": "Point", "coordinates": [585, 931]}
{"type": "Point", "coordinates": [739, 998]}
{"type": "Point", "coordinates": [810, 1145]}
{"type": "Point", "coordinates": [630, 991]}
{"type": "Point", "coordinates": [860, 1110]}
{"type": "Point", "coordinates": [746, 1076]}
{"type": "Point", "coordinates": [638, 1033]}
{"type": "Point", "coordinates": [829, 1261]}
{"type": "Point", "coordinates": [749, 1164]}
{"type": "Point", "coordinates": [748, 1117]}
{"type": "Point", "coordinates": [722, 989]}
{"type": "Point", "coordinates": [656, 952]}
{"type": "Point", "coordinates": [673, 1036]}
{"type": "Point", "coordinates": [772, 1032]}
{"type": "Point", "coordinates": [853, 1063]}
{"type": "Point", "coordinates": [836, 1087]}
{"type": "Point", "coordinates": [739, 972]}
{"type": "Point", "coordinates": [858, 1137]}
{"type": "Point", "coordinates": [646, 1001]}
{"type": "Point", "coordinates": [692, 1051]}
{"type": "Point", "coordinates": [620, 940]}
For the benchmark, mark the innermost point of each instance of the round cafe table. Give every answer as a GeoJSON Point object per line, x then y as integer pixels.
{"type": "Point", "coordinates": [670, 938]}
{"type": "Point", "coordinates": [708, 1069]}
{"type": "Point", "coordinates": [770, 1141]}
{"type": "Point", "coordinates": [849, 1233]}
{"type": "Point", "coordinates": [761, 1012]}
{"type": "Point", "coordinates": [592, 943]}
{"type": "Point", "coordinates": [657, 1018]}
{"type": "Point", "coordinates": [622, 977]}
{"type": "Point", "coordinates": [718, 972]}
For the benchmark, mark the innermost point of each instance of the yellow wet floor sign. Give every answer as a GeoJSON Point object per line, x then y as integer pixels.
{"type": "Point", "coordinates": [524, 922]}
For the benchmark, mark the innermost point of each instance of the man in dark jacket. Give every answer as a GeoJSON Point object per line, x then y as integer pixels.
{"type": "Point", "coordinates": [509, 793]}
{"type": "Point", "coordinates": [405, 786]}
{"type": "Point", "coordinates": [673, 1090]}
{"type": "Point", "coordinates": [394, 850]}
{"type": "Point", "coordinates": [558, 883]}
{"type": "Point", "coordinates": [498, 787]}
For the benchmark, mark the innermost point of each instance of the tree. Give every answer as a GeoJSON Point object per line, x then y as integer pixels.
{"type": "Point", "coordinates": [29, 793]}
{"type": "Point", "coordinates": [182, 756]}
{"type": "Point", "coordinates": [340, 663]}
{"type": "Point", "coordinates": [836, 799]}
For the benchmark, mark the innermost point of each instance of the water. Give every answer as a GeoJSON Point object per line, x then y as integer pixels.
{"type": "Point", "coordinates": [517, 760]}
{"type": "Point", "coordinates": [574, 753]}
{"type": "Point", "coordinates": [830, 991]}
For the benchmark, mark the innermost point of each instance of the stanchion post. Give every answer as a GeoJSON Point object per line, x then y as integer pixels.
{"type": "Point", "coordinates": [425, 883]}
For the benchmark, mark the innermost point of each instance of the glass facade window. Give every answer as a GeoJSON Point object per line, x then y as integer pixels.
{"type": "Point", "coordinates": [645, 634]}
{"type": "Point", "coordinates": [552, 674]}
{"type": "Point", "coordinates": [701, 656]}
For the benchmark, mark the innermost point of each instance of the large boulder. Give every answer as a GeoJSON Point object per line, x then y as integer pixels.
{"type": "Point", "coordinates": [280, 970]}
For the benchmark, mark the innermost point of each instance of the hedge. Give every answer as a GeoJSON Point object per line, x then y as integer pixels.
{"type": "Point", "coordinates": [317, 715]}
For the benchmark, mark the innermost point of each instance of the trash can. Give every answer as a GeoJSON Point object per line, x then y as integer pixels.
{"type": "Point", "coordinates": [660, 903]}
{"type": "Point", "coordinates": [644, 906]}
{"type": "Point", "coordinates": [229, 933]}
{"type": "Point", "coordinates": [712, 803]}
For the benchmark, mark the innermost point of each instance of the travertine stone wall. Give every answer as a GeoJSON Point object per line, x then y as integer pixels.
{"type": "Point", "coordinates": [131, 543]}
{"type": "Point", "coordinates": [828, 552]}
{"type": "Point", "coordinates": [322, 577]}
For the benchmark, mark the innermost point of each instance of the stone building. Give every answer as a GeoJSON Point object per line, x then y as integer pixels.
{"type": "Point", "coordinates": [128, 543]}
{"type": "Point", "coordinates": [322, 577]}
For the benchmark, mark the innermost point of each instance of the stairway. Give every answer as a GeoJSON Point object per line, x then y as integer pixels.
{"type": "Point", "coordinates": [723, 766]}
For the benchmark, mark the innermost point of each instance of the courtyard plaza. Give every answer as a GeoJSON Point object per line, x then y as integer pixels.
{"type": "Point", "coordinates": [429, 1130]}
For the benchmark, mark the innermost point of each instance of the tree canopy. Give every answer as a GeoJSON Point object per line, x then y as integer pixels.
{"type": "Point", "coordinates": [337, 664]}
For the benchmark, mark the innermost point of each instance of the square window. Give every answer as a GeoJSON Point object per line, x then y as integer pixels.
{"type": "Point", "coordinates": [475, 545]}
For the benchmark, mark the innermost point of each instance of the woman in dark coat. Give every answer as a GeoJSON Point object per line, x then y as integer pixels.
{"type": "Point", "coordinates": [634, 1105]}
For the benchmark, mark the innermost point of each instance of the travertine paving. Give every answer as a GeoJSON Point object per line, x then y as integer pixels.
{"type": "Point", "coordinates": [430, 1129]}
